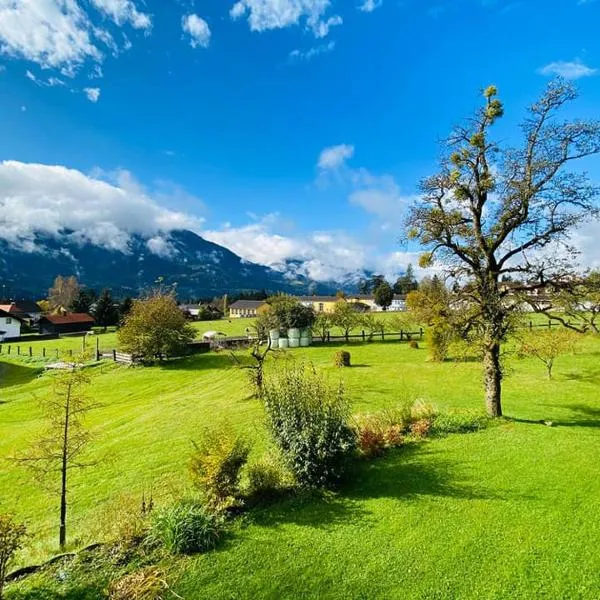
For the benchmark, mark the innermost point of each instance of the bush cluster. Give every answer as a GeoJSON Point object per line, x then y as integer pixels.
{"type": "Point", "coordinates": [216, 466]}
{"type": "Point", "coordinates": [309, 422]}
{"type": "Point", "coordinates": [266, 479]}
{"type": "Point", "coordinates": [185, 528]}
{"type": "Point", "coordinates": [342, 359]}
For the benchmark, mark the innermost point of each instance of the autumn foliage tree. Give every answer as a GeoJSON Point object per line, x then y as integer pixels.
{"type": "Point", "coordinates": [156, 328]}
{"type": "Point", "coordinates": [494, 211]}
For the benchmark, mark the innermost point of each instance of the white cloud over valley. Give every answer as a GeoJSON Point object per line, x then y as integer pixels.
{"type": "Point", "coordinates": [48, 199]}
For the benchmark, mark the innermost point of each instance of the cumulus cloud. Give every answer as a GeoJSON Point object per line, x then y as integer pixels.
{"type": "Point", "coordinates": [569, 70]}
{"type": "Point", "coordinates": [51, 199]}
{"type": "Point", "coordinates": [278, 14]}
{"type": "Point", "coordinates": [198, 30]}
{"type": "Point", "coordinates": [93, 94]}
{"type": "Point", "coordinates": [124, 11]}
{"type": "Point", "coordinates": [334, 157]}
{"type": "Point", "coordinates": [60, 34]}
{"type": "Point", "coordinates": [370, 5]}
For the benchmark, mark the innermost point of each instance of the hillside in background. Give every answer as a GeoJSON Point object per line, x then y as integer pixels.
{"type": "Point", "coordinates": [199, 268]}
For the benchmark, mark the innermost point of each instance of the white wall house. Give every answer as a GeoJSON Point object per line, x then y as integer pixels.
{"type": "Point", "coordinates": [9, 326]}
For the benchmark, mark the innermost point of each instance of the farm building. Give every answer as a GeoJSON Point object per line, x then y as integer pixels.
{"type": "Point", "coordinates": [320, 304]}
{"type": "Point", "coordinates": [69, 323]}
{"type": "Point", "coordinates": [10, 325]}
{"type": "Point", "coordinates": [245, 308]}
{"type": "Point", "coordinates": [26, 310]}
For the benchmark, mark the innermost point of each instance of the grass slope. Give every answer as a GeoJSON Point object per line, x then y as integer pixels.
{"type": "Point", "coordinates": [510, 512]}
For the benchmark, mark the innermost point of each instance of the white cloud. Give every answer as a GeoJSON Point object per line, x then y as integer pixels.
{"type": "Point", "coordinates": [93, 94]}
{"type": "Point", "coordinates": [569, 70]}
{"type": "Point", "coordinates": [50, 82]}
{"type": "Point", "coordinates": [370, 5]}
{"type": "Point", "coordinates": [49, 199]}
{"type": "Point", "coordinates": [198, 30]}
{"type": "Point", "coordinates": [51, 33]}
{"type": "Point", "coordinates": [124, 11]}
{"type": "Point", "coordinates": [312, 52]}
{"type": "Point", "coordinates": [278, 14]}
{"type": "Point", "coordinates": [60, 34]}
{"type": "Point", "coordinates": [334, 157]}
{"type": "Point", "coordinates": [161, 246]}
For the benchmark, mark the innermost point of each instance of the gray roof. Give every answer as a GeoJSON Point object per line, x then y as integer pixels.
{"type": "Point", "coordinates": [247, 304]}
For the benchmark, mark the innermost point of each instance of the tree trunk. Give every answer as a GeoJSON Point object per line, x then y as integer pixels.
{"type": "Point", "coordinates": [493, 379]}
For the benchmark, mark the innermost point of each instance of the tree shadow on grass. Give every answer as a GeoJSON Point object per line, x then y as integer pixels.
{"type": "Point", "coordinates": [407, 474]}
{"type": "Point", "coordinates": [12, 374]}
{"type": "Point", "coordinates": [587, 375]}
{"type": "Point", "coordinates": [584, 416]}
{"type": "Point", "coordinates": [199, 362]}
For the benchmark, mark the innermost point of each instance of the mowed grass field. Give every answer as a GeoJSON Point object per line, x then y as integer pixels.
{"type": "Point", "coordinates": [510, 512]}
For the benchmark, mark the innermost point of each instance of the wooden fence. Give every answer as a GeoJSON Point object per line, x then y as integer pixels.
{"type": "Point", "coordinates": [12, 349]}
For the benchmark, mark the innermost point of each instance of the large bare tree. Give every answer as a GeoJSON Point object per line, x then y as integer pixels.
{"type": "Point", "coordinates": [494, 211]}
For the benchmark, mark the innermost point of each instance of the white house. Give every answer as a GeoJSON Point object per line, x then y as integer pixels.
{"type": "Point", "coordinates": [10, 326]}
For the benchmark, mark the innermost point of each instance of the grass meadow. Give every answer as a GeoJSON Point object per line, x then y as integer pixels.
{"type": "Point", "coordinates": [508, 512]}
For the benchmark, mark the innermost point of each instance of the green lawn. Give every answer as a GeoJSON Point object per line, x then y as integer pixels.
{"type": "Point", "coordinates": [511, 512]}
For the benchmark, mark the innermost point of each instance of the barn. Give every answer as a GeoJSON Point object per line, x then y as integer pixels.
{"type": "Point", "coordinates": [69, 323]}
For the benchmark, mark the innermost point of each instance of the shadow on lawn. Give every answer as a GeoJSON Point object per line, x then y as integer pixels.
{"type": "Point", "coordinates": [584, 416]}
{"type": "Point", "coordinates": [587, 375]}
{"type": "Point", "coordinates": [198, 362]}
{"type": "Point", "coordinates": [405, 475]}
{"type": "Point", "coordinates": [12, 374]}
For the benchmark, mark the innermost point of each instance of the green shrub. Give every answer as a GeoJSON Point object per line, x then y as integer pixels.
{"type": "Point", "coordinates": [216, 466]}
{"type": "Point", "coordinates": [421, 428]}
{"type": "Point", "coordinates": [309, 421]}
{"type": "Point", "coordinates": [185, 528]}
{"type": "Point", "coordinates": [341, 359]}
{"type": "Point", "coordinates": [370, 436]}
{"type": "Point", "coordinates": [445, 423]}
{"type": "Point", "coordinates": [124, 519]}
{"type": "Point", "coordinates": [12, 536]}
{"type": "Point", "coordinates": [266, 478]}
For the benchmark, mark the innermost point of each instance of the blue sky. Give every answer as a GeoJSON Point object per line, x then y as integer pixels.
{"type": "Point", "coordinates": [215, 115]}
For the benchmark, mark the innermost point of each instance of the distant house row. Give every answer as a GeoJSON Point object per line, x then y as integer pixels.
{"type": "Point", "coordinates": [320, 304]}
{"type": "Point", "coordinates": [17, 316]}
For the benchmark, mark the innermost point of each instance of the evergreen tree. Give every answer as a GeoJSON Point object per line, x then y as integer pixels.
{"type": "Point", "coordinates": [384, 294]}
{"type": "Point", "coordinates": [105, 311]}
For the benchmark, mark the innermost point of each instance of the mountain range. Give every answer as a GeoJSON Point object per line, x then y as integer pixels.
{"type": "Point", "coordinates": [200, 268]}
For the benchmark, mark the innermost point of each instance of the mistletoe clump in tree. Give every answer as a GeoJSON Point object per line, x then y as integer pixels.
{"type": "Point", "coordinates": [493, 211]}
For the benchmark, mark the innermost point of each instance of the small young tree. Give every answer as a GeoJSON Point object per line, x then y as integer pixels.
{"type": "Point", "coordinates": [156, 328]}
{"type": "Point", "coordinates": [345, 317]}
{"type": "Point", "coordinates": [60, 448]}
{"type": "Point", "coordinates": [574, 303]}
{"type": "Point", "coordinates": [493, 211]}
{"type": "Point", "coordinates": [63, 293]}
{"type": "Point", "coordinates": [430, 306]}
{"type": "Point", "coordinates": [372, 325]}
{"type": "Point", "coordinates": [384, 294]}
{"type": "Point", "coordinates": [547, 346]}
{"type": "Point", "coordinates": [105, 311]}
{"type": "Point", "coordinates": [322, 325]}
{"type": "Point", "coordinates": [12, 536]}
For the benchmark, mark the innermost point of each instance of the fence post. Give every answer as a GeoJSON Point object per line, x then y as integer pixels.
{"type": "Point", "coordinates": [44, 352]}
{"type": "Point", "coordinates": [328, 337]}
{"type": "Point", "coordinates": [114, 355]}
{"type": "Point", "coordinates": [530, 325]}
{"type": "Point", "coordinates": [421, 332]}
{"type": "Point", "coordinates": [9, 349]}
{"type": "Point", "coordinates": [97, 349]}
{"type": "Point", "coordinates": [363, 334]}
{"type": "Point", "coordinates": [18, 350]}
{"type": "Point", "coordinates": [401, 335]}
{"type": "Point", "coordinates": [549, 324]}
{"type": "Point", "coordinates": [382, 335]}
{"type": "Point", "coordinates": [30, 351]}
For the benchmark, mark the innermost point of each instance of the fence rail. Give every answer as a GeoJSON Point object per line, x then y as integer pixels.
{"type": "Point", "coordinates": [9, 348]}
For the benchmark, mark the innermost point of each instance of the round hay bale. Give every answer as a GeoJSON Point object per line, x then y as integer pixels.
{"type": "Point", "coordinates": [342, 359]}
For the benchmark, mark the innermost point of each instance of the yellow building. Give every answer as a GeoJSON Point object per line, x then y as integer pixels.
{"type": "Point", "coordinates": [320, 304]}
{"type": "Point", "coordinates": [244, 309]}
